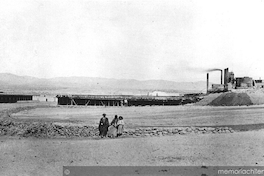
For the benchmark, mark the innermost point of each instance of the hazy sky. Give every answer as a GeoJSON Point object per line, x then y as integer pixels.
{"type": "Point", "coordinates": [171, 40]}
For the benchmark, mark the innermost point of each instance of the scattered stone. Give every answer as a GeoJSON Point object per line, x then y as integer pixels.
{"type": "Point", "coordinates": [181, 128]}
{"type": "Point", "coordinates": [148, 129]}
{"type": "Point", "coordinates": [188, 129]}
{"type": "Point", "coordinates": [53, 130]}
{"type": "Point", "coordinates": [159, 133]}
{"type": "Point", "coordinates": [210, 128]}
{"type": "Point", "coordinates": [174, 131]}
{"type": "Point", "coordinates": [165, 132]}
{"type": "Point", "coordinates": [182, 132]}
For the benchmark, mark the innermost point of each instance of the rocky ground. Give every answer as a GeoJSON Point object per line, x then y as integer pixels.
{"type": "Point", "coordinates": [12, 127]}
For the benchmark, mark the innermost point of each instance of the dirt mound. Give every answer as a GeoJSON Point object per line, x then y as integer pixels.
{"type": "Point", "coordinates": [232, 99]}
{"type": "Point", "coordinates": [235, 98]}
{"type": "Point", "coordinates": [208, 99]}
{"type": "Point", "coordinates": [256, 96]}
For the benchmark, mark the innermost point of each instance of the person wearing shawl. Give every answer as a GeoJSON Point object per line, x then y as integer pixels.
{"type": "Point", "coordinates": [103, 126]}
{"type": "Point", "coordinates": [112, 129]}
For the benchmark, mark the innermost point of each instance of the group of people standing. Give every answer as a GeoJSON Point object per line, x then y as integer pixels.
{"type": "Point", "coordinates": [114, 129]}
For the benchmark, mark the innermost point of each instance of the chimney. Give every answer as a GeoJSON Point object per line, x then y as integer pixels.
{"type": "Point", "coordinates": [226, 76]}
{"type": "Point", "coordinates": [207, 83]}
{"type": "Point", "coordinates": [221, 76]}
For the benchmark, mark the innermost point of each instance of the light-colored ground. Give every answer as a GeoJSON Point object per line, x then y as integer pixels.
{"type": "Point", "coordinates": [47, 157]}
{"type": "Point", "coordinates": [151, 116]}
{"type": "Point", "coordinates": [22, 104]}
{"type": "Point", "coordinates": [30, 156]}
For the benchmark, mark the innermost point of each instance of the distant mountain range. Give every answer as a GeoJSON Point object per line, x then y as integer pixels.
{"type": "Point", "coordinates": [90, 85]}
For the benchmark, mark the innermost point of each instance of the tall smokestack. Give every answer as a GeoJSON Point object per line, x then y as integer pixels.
{"type": "Point", "coordinates": [221, 76]}
{"type": "Point", "coordinates": [226, 76]}
{"type": "Point", "coordinates": [207, 82]}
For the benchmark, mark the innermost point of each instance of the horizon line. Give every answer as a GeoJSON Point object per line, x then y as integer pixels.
{"type": "Point", "coordinates": [99, 78]}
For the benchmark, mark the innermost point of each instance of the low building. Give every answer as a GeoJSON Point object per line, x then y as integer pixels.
{"type": "Point", "coordinates": [13, 98]}
{"type": "Point", "coordinates": [45, 98]}
{"type": "Point", "coordinates": [163, 94]}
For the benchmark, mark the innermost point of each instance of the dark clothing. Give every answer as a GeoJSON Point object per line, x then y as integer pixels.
{"type": "Point", "coordinates": [103, 126]}
{"type": "Point", "coordinates": [114, 122]}
{"type": "Point", "coordinates": [112, 130]}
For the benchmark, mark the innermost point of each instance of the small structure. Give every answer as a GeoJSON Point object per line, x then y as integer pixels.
{"type": "Point", "coordinates": [217, 88]}
{"type": "Point", "coordinates": [259, 83]}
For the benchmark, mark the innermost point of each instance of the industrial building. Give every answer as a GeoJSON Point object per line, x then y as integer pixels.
{"type": "Point", "coordinates": [124, 100]}
{"type": "Point", "coordinates": [232, 82]}
{"type": "Point", "coordinates": [13, 98]}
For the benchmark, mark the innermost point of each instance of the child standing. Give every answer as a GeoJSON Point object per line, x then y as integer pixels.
{"type": "Point", "coordinates": [120, 126]}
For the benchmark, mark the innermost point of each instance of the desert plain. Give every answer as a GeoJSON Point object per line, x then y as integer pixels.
{"type": "Point", "coordinates": [47, 156]}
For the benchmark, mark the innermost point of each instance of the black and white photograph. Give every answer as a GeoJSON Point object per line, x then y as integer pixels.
{"type": "Point", "coordinates": [131, 87]}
